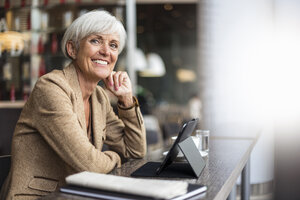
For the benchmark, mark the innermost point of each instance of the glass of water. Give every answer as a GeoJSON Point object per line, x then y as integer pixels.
{"type": "Point", "coordinates": [203, 136]}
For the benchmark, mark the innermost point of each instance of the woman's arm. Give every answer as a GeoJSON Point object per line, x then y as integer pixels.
{"type": "Point", "coordinates": [125, 133]}
{"type": "Point", "coordinates": [126, 136]}
{"type": "Point", "coordinates": [54, 114]}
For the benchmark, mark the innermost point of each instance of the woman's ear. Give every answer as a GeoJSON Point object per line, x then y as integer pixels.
{"type": "Point", "coordinates": [71, 50]}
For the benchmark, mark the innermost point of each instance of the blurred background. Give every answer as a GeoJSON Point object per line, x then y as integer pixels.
{"type": "Point", "coordinates": [233, 64]}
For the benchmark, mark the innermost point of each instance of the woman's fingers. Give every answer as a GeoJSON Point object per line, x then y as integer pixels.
{"type": "Point", "coordinates": [117, 82]}
{"type": "Point", "coordinates": [122, 78]}
{"type": "Point", "coordinates": [110, 79]}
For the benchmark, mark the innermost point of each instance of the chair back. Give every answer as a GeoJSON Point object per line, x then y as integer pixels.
{"type": "Point", "coordinates": [8, 121]}
{"type": "Point", "coordinates": [153, 132]}
{"type": "Point", "coordinates": [4, 168]}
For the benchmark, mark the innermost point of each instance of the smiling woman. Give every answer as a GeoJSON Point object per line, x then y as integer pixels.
{"type": "Point", "coordinates": [68, 117]}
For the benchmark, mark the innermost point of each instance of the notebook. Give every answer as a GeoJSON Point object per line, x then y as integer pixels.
{"type": "Point", "coordinates": [116, 187]}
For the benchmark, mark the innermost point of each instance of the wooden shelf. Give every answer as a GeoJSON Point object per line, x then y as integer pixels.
{"type": "Point", "coordinates": [12, 104]}
{"type": "Point", "coordinates": [55, 3]}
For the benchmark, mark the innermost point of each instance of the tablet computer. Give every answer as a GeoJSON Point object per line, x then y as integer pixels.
{"type": "Point", "coordinates": [186, 130]}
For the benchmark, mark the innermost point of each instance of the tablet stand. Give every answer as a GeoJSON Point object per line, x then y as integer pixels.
{"type": "Point", "coordinates": [192, 155]}
{"type": "Point", "coordinates": [190, 169]}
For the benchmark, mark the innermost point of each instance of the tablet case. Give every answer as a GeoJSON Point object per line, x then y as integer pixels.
{"type": "Point", "coordinates": [190, 169]}
{"type": "Point", "coordinates": [175, 170]}
{"type": "Point", "coordinates": [192, 155]}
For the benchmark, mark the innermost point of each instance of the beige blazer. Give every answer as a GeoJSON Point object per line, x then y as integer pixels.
{"type": "Point", "coordinates": [50, 140]}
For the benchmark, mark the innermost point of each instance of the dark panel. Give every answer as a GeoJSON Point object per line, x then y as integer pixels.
{"type": "Point", "coordinates": [8, 120]}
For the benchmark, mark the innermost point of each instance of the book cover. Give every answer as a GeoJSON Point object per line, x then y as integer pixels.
{"type": "Point", "coordinates": [193, 190]}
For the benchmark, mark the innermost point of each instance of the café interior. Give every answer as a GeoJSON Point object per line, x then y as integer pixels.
{"type": "Point", "coordinates": [232, 64]}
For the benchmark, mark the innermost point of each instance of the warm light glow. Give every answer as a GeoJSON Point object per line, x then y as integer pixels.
{"type": "Point", "coordinates": [11, 41]}
{"type": "Point", "coordinates": [168, 7]}
{"type": "Point", "coordinates": [185, 75]}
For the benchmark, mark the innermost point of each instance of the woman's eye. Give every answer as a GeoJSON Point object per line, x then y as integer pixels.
{"type": "Point", "coordinates": [114, 46]}
{"type": "Point", "coordinates": [95, 41]}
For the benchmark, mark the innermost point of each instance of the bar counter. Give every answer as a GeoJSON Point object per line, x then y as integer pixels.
{"type": "Point", "coordinates": [228, 158]}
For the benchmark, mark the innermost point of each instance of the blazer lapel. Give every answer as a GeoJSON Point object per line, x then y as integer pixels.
{"type": "Point", "coordinates": [71, 75]}
{"type": "Point", "coordinates": [97, 121]}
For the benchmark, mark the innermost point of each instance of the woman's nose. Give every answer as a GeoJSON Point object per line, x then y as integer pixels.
{"type": "Point", "coordinates": [104, 49]}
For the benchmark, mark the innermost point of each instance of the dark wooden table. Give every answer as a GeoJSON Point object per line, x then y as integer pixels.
{"type": "Point", "coordinates": [228, 158]}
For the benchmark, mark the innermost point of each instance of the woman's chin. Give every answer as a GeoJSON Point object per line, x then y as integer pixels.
{"type": "Point", "coordinates": [103, 74]}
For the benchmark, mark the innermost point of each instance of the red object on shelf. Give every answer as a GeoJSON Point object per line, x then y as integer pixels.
{"type": "Point", "coordinates": [26, 90]}
{"type": "Point", "coordinates": [77, 1]}
{"type": "Point", "coordinates": [54, 44]}
{"type": "Point", "coordinates": [12, 93]}
{"type": "Point", "coordinates": [28, 21]}
{"type": "Point", "coordinates": [23, 3]}
{"type": "Point", "coordinates": [40, 45]}
{"type": "Point", "coordinates": [7, 4]}
{"type": "Point", "coordinates": [42, 68]}
{"type": "Point", "coordinates": [45, 2]}
{"type": "Point", "coordinates": [61, 1]}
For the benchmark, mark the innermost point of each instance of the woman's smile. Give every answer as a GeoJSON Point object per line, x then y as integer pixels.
{"type": "Point", "coordinates": [100, 62]}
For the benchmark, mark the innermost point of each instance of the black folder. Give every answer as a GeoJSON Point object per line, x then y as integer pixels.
{"type": "Point", "coordinates": [193, 190]}
{"type": "Point", "coordinates": [175, 170]}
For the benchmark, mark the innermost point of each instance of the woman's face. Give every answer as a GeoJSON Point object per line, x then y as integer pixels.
{"type": "Point", "coordinates": [97, 55]}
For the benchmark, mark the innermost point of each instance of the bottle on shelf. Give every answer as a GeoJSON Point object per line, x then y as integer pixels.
{"type": "Point", "coordinates": [12, 93]}
{"type": "Point", "coordinates": [26, 92]}
{"type": "Point", "coordinates": [54, 44]}
{"type": "Point", "coordinates": [28, 22]}
{"type": "Point", "coordinates": [42, 67]}
{"type": "Point", "coordinates": [23, 3]}
{"type": "Point", "coordinates": [45, 2]}
{"type": "Point", "coordinates": [41, 45]}
{"type": "Point", "coordinates": [7, 4]}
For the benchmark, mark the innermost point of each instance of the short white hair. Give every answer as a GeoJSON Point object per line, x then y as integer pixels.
{"type": "Point", "coordinates": [91, 23]}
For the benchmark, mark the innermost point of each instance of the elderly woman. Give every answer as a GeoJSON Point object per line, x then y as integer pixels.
{"type": "Point", "coordinates": [68, 118]}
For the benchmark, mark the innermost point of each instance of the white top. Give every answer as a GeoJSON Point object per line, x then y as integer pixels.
{"type": "Point", "coordinates": [165, 189]}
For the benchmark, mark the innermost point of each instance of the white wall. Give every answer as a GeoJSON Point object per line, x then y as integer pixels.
{"type": "Point", "coordinates": [235, 58]}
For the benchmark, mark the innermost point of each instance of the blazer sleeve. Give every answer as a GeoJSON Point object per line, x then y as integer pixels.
{"type": "Point", "coordinates": [125, 132]}
{"type": "Point", "coordinates": [55, 119]}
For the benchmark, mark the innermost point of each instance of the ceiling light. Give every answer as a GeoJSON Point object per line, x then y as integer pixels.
{"type": "Point", "coordinates": [155, 66]}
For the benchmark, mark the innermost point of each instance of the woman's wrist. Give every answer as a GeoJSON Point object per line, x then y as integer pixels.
{"type": "Point", "coordinates": [126, 101]}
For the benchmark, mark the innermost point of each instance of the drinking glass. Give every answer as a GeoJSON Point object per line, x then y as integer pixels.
{"type": "Point", "coordinates": [203, 136]}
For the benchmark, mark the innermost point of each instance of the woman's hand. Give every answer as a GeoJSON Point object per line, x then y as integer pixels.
{"type": "Point", "coordinates": [120, 85]}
